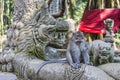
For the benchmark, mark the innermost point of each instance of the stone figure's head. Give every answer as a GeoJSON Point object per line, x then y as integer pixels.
{"type": "Point", "coordinates": [109, 23]}
{"type": "Point", "coordinates": [104, 52]}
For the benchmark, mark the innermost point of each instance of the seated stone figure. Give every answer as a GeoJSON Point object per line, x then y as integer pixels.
{"type": "Point", "coordinates": [101, 52]}
{"type": "Point", "coordinates": [109, 36]}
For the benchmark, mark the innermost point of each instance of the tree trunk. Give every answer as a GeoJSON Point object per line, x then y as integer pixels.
{"type": "Point", "coordinates": [1, 18]}
{"type": "Point", "coordinates": [101, 4]}
{"type": "Point", "coordinates": [71, 9]}
{"type": "Point", "coordinates": [1, 15]}
{"type": "Point", "coordinates": [57, 8]}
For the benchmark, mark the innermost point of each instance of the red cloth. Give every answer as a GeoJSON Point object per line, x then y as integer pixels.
{"type": "Point", "coordinates": [92, 20]}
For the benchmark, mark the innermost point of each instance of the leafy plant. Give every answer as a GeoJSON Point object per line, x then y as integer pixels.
{"type": "Point", "coordinates": [117, 38]}
{"type": "Point", "coordinates": [79, 9]}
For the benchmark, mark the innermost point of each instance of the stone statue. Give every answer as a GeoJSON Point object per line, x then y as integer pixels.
{"type": "Point", "coordinates": [101, 52]}
{"type": "Point", "coordinates": [109, 36]}
{"type": "Point", "coordinates": [32, 30]}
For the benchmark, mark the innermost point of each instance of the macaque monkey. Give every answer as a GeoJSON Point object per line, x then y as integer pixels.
{"type": "Point", "coordinates": [77, 47]}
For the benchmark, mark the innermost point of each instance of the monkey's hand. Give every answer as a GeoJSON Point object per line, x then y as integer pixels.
{"type": "Point", "coordinates": [76, 65]}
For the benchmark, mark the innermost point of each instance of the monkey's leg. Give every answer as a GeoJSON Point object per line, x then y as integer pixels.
{"type": "Point", "coordinates": [69, 59]}
{"type": "Point", "coordinates": [84, 52]}
{"type": "Point", "coordinates": [76, 58]}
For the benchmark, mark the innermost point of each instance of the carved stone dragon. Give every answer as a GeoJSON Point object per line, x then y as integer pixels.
{"type": "Point", "coordinates": [35, 39]}
{"type": "Point", "coordinates": [32, 33]}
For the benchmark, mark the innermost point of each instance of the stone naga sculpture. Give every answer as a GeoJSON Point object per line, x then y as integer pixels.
{"type": "Point", "coordinates": [36, 39]}
{"type": "Point", "coordinates": [32, 33]}
{"type": "Point", "coordinates": [38, 33]}
{"type": "Point", "coordinates": [101, 52]}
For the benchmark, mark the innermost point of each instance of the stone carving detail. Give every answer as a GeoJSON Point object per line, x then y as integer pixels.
{"type": "Point", "coordinates": [101, 52]}
{"type": "Point", "coordinates": [74, 74]}
{"type": "Point", "coordinates": [32, 30]}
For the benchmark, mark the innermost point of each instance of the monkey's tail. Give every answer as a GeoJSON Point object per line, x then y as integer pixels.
{"type": "Point", "coordinates": [47, 62]}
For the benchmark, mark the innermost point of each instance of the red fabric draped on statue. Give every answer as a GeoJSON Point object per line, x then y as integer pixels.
{"type": "Point", "coordinates": [92, 21]}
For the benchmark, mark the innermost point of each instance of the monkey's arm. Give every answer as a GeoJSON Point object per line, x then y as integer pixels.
{"type": "Point", "coordinates": [69, 56]}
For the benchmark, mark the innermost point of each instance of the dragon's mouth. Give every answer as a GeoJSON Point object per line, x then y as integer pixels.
{"type": "Point", "coordinates": [44, 33]}
{"type": "Point", "coordinates": [104, 57]}
{"type": "Point", "coordinates": [102, 61]}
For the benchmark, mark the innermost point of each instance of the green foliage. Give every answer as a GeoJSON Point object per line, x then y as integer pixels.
{"type": "Point", "coordinates": [79, 9]}
{"type": "Point", "coordinates": [7, 15]}
{"type": "Point", "coordinates": [117, 38]}
{"type": "Point", "coordinates": [8, 12]}
{"type": "Point", "coordinates": [0, 28]}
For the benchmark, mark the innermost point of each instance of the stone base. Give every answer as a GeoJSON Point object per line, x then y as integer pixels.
{"type": "Point", "coordinates": [26, 65]}
{"type": "Point", "coordinates": [7, 76]}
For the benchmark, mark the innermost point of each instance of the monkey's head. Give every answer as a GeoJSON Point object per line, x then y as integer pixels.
{"type": "Point", "coordinates": [78, 37]}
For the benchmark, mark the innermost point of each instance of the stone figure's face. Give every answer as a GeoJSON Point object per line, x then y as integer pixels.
{"type": "Point", "coordinates": [109, 23]}
{"type": "Point", "coordinates": [104, 52]}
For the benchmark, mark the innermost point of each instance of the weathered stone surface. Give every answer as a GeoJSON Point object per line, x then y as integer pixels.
{"type": "Point", "coordinates": [26, 66]}
{"type": "Point", "coordinates": [7, 76]}
{"type": "Point", "coordinates": [26, 9]}
{"type": "Point", "coordinates": [113, 69]}
{"type": "Point", "coordinates": [93, 73]}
